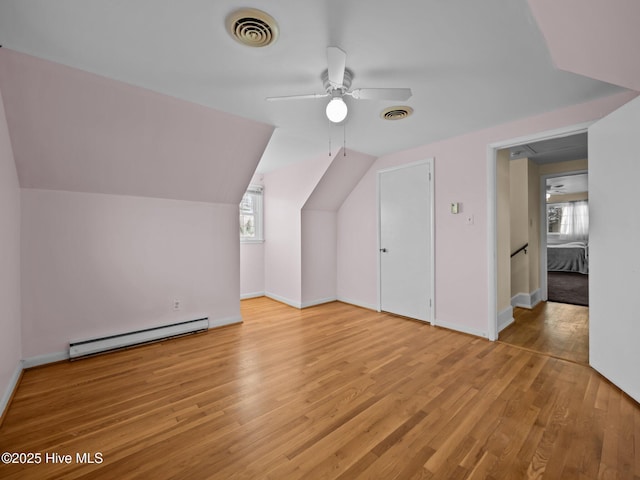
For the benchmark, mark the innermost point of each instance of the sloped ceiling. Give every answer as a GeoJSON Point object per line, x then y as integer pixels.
{"type": "Point", "coordinates": [76, 131]}
{"type": "Point", "coordinates": [595, 38]}
{"type": "Point", "coordinates": [470, 64]}
{"type": "Point", "coordinates": [342, 175]}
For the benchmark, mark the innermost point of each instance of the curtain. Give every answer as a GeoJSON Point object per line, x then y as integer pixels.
{"type": "Point", "coordinates": [574, 224]}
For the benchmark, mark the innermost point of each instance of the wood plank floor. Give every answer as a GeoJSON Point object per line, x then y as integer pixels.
{"type": "Point", "coordinates": [556, 329]}
{"type": "Point", "coordinates": [333, 391]}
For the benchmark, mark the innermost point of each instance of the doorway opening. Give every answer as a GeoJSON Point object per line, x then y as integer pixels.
{"type": "Point", "coordinates": [524, 169]}
{"type": "Point", "coordinates": [567, 238]}
{"type": "Point", "coordinates": [559, 325]}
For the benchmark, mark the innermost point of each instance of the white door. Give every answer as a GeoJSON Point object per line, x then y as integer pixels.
{"type": "Point", "coordinates": [614, 239]}
{"type": "Point", "coordinates": [405, 206]}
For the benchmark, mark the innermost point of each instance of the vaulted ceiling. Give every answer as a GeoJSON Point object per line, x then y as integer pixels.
{"type": "Point", "coordinates": [470, 64]}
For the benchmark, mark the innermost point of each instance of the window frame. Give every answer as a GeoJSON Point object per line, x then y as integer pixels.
{"type": "Point", "coordinates": [561, 219]}
{"type": "Point", "coordinates": [257, 194]}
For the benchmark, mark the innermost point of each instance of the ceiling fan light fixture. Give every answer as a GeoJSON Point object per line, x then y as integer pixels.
{"type": "Point", "coordinates": [336, 110]}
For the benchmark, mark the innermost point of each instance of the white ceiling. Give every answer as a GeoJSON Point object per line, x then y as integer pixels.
{"type": "Point", "coordinates": [470, 64]}
{"type": "Point", "coordinates": [567, 184]}
{"type": "Point", "coordinates": [561, 149]}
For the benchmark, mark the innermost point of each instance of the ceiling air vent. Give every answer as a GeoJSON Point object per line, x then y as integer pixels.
{"type": "Point", "coordinates": [252, 27]}
{"type": "Point", "coordinates": [396, 113]}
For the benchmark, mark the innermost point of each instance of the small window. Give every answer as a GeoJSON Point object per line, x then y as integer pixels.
{"type": "Point", "coordinates": [554, 216]}
{"type": "Point", "coordinates": [251, 215]}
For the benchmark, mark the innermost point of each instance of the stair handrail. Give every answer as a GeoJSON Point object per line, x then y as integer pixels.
{"type": "Point", "coordinates": [524, 247]}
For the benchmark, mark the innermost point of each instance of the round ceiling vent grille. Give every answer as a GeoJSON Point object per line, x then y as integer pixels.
{"type": "Point", "coordinates": [252, 27]}
{"type": "Point", "coordinates": [396, 113]}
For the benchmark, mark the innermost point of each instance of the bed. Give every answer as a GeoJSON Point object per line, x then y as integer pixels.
{"type": "Point", "coordinates": [568, 257]}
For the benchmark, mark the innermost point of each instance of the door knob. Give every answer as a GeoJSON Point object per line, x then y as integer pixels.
{"type": "Point", "coordinates": [383, 250]}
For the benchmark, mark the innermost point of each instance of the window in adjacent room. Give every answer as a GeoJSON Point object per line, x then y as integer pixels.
{"type": "Point", "coordinates": [251, 215]}
{"type": "Point", "coordinates": [569, 220]}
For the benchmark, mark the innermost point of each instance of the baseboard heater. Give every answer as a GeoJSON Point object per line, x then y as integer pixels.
{"type": "Point", "coordinates": [85, 348]}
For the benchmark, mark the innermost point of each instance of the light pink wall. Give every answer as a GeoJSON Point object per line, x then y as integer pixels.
{"type": "Point", "coordinates": [251, 270]}
{"type": "Point", "coordinates": [344, 173]}
{"type": "Point", "coordinates": [115, 258]}
{"type": "Point", "coordinates": [76, 131]}
{"type": "Point", "coordinates": [593, 38]}
{"type": "Point", "coordinates": [10, 337]}
{"type": "Point", "coordinates": [461, 267]}
{"type": "Point", "coordinates": [357, 245]}
{"type": "Point", "coordinates": [319, 225]}
{"type": "Point", "coordinates": [95, 264]}
{"type": "Point", "coordinates": [318, 256]}
{"type": "Point", "coordinates": [301, 201]}
{"type": "Point", "coordinates": [286, 191]}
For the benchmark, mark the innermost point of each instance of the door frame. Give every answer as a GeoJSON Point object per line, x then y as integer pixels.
{"type": "Point", "coordinates": [492, 215]}
{"type": "Point", "coordinates": [432, 279]}
{"type": "Point", "coordinates": [544, 287]}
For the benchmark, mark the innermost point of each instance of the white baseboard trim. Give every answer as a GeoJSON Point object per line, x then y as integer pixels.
{"type": "Point", "coordinates": [358, 304]}
{"type": "Point", "coordinates": [223, 322]}
{"type": "Point", "coordinates": [459, 328]}
{"type": "Point", "coordinates": [291, 303]}
{"type": "Point", "coordinates": [11, 387]}
{"type": "Point", "coordinates": [536, 298]}
{"type": "Point", "coordinates": [245, 296]}
{"type": "Point", "coordinates": [320, 301]}
{"type": "Point", "coordinates": [527, 300]}
{"type": "Point", "coordinates": [280, 299]}
{"type": "Point", "coordinates": [505, 318]}
{"type": "Point", "coordinates": [44, 359]}
{"type": "Point", "coordinates": [301, 305]}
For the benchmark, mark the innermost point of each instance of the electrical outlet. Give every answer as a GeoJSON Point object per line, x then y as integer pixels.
{"type": "Point", "coordinates": [177, 304]}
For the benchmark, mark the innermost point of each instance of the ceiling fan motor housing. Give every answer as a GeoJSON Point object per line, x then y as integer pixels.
{"type": "Point", "coordinates": [346, 82]}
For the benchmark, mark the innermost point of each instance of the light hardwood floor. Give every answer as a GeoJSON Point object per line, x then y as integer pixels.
{"type": "Point", "coordinates": [334, 392]}
{"type": "Point", "coordinates": [556, 329]}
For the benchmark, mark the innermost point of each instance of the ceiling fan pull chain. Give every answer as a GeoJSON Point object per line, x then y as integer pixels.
{"type": "Point", "coordinates": [344, 140]}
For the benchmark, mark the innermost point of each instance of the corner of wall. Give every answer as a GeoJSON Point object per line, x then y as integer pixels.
{"type": "Point", "coordinates": [505, 318]}
{"type": "Point", "coordinates": [10, 288]}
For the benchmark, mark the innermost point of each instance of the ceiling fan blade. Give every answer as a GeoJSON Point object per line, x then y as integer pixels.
{"type": "Point", "coordinates": [337, 62]}
{"type": "Point", "coordinates": [381, 93]}
{"type": "Point", "coordinates": [298, 97]}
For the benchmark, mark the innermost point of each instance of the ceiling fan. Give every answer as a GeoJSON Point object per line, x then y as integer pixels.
{"type": "Point", "coordinates": [337, 81]}
{"type": "Point", "coordinates": [559, 188]}
{"type": "Point", "coordinates": [555, 190]}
